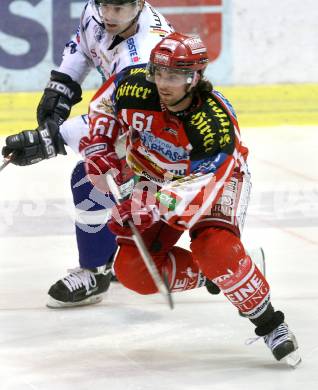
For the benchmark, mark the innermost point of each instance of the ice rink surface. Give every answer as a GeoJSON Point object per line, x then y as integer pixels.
{"type": "Point", "coordinates": [131, 342]}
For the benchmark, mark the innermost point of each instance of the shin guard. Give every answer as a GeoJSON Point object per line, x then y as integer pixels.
{"type": "Point", "coordinates": [246, 288]}
{"type": "Point", "coordinates": [221, 256]}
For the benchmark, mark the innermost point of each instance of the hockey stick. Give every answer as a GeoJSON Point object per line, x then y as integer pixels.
{"type": "Point", "coordinates": [6, 161]}
{"type": "Point", "coordinates": [161, 284]}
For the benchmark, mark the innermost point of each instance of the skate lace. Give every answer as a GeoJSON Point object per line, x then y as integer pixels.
{"type": "Point", "coordinates": [252, 340]}
{"type": "Point", "coordinates": [276, 337]}
{"type": "Point", "coordinates": [79, 277]}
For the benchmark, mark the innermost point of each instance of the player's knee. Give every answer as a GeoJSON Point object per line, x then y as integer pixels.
{"type": "Point", "coordinates": [132, 272]}
{"type": "Point", "coordinates": [216, 251]}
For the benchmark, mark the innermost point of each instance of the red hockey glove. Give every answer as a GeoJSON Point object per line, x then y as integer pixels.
{"type": "Point", "coordinates": [100, 159]}
{"type": "Point", "coordinates": [142, 216]}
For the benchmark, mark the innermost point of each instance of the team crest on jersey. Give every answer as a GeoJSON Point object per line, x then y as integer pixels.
{"type": "Point", "coordinates": [133, 50]}
{"type": "Point", "coordinates": [106, 105]}
{"type": "Point", "coordinates": [99, 32]}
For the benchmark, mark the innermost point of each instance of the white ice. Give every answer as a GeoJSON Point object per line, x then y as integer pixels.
{"type": "Point", "coordinates": [131, 342]}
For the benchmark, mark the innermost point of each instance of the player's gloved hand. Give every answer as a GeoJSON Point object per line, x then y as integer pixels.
{"type": "Point", "coordinates": [142, 216]}
{"type": "Point", "coordinates": [100, 159]}
{"type": "Point", "coordinates": [60, 94]}
{"type": "Point", "coordinates": [32, 146]}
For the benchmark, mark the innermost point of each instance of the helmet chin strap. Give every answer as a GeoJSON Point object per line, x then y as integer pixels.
{"type": "Point", "coordinates": [194, 81]}
{"type": "Point", "coordinates": [188, 93]}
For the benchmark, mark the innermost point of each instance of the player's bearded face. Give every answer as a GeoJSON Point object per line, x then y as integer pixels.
{"type": "Point", "coordinates": [171, 85]}
{"type": "Point", "coordinates": [117, 17]}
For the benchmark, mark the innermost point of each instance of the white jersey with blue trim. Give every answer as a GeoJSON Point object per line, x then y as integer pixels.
{"type": "Point", "coordinates": [94, 47]}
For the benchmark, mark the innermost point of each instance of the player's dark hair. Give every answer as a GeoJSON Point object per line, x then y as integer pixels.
{"type": "Point", "coordinates": [204, 87]}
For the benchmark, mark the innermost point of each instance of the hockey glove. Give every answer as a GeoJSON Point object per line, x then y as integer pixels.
{"type": "Point", "coordinates": [60, 94]}
{"type": "Point", "coordinates": [100, 159]}
{"type": "Point", "coordinates": [142, 216]}
{"type": "Point", "coordinates": [32, 146]}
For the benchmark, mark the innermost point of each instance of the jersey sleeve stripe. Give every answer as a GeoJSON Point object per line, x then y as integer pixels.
{"type": "Point", "coordinates": [209, 202]}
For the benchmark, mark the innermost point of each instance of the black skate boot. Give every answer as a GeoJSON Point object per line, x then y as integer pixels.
{"type": "Point", "coordinates": [283, 344]}
{"type": "Point", "coordinates": [277, 336]}
{"type": "Point", "coordinates": [80, 287]}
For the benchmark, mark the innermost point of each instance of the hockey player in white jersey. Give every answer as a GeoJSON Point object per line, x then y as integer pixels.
{"type": "Point", "coordinates": [112, 35]}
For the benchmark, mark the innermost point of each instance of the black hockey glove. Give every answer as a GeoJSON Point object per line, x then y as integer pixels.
{"type": "Point", "coordinates": [32, 146]}
{"type": "Point", "coordinates": [59, 96]}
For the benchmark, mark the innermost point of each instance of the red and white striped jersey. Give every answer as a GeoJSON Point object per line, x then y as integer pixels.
{"type": "Point", "coordinates": [190, 157]}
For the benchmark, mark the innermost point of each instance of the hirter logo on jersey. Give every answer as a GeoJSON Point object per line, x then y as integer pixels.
{"type": "Point", "coordinates": [132, 50]}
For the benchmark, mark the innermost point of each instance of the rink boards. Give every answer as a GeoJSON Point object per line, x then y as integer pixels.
{"type": "Point", "coordinates": [267, 105]}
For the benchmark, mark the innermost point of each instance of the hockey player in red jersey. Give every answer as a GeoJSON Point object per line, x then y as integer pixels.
{"type": "Point", "coordinates": [112, 35]}
{"type": "Point", "coordinates": [184, 143]}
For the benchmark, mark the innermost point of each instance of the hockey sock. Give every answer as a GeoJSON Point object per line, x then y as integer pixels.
{"type": "Point", "coordinates": [222, 257]}
{"type": "Point", "coordinates": [96, 244]}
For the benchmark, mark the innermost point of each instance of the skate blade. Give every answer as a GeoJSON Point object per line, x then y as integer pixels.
{"type": "Point", "coordinates": [55, 304]}
{"type": "Point", "coordinates": [293, 359]}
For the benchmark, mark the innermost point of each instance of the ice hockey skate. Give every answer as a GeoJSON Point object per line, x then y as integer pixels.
{"type": "Point", "coordinates": [283, 344]}
{"type": "Point", "coordinates": [80, 287]}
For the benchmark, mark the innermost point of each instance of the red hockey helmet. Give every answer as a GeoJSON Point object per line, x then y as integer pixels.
{"type": "Point", "coordinates": [178, 52]}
